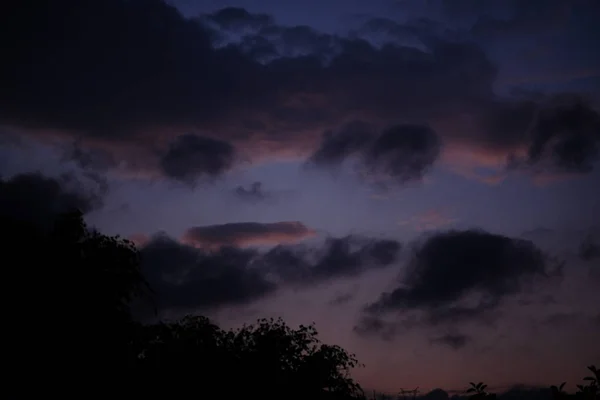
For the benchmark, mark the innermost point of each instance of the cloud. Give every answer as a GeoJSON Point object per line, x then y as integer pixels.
{"type": "Point", "coordinates": [454, 341]}
{"type": "Point", "coordinates": [336, 147]}
{"type": "Point", "coordinates": [134, 70]}
{"type": "Point", "coordinates": [239, 18]}
{"type": "Point", "coordinates": [185, 278]}
{"type": "Point", "coordinates": [256, 193]}
{"type": "Point", "coordinates": [37, 200]}
{"type": "Point", "coordinates": [349, 256]}
{"type": "Point", "coordinates": [247, 233]}
{"type": "Point", "coordinates": [401, 152]}
{"type": "Point", "coordinates": [188, 278]}
{"type": "Point", "coordinates": [497, 19]}
{"type": "Point", "coordinates": [370, 325]}
{"type": "Point", "coordinates": [404, 152]}
{"type": "Point", "coordinates": [191, 157]}
{"type": "Point", "coordinates": [91, 163]}
{"type": "Point", "coordinates": [253, 194]}
{"type": "Point", "coordinates": [462, 276]}
{"type": "Point", "coordinates": [590, 247]}
{"type": "Point", "coordinates": [88, 159]}
{"type": "Point", "coordinates": [135, 76]}
{"type": "Point", "coordinates": [565, 136]}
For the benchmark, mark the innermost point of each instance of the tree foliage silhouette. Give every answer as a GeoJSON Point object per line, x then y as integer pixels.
{"type": "Point", "coordinates": [590, 390]}
{"type": "Point", "coordinates": [587, 391]}
{"type": "Point", "coordinates": [557, 391]}
{"type": "Point", "coordinates": [73, 287]}
{"type": "Point", "coordinates": [82, 283]}
{"type": "Point", "coordinates": [479, 393]}
{"type": "Point", "coordinates": [268, 358]}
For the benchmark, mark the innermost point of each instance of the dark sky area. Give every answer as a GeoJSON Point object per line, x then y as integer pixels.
{"type": "Point", "coordinates": [420, 178]}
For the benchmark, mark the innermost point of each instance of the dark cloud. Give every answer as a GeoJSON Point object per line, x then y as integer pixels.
{"type": "Point", "coordinates": [88, 159]}
{"type": "Point", "coordinates": [370, 325]}
{"type": "Point", "coordinates": [151, 69]}
{"type": "Point", "coordinates": [556, 133]}
{"type": "Point", "coordinates": [191, 157]}
{"type": "Point", "coordinates": [402, 152]}
{"type": "Point", "coordinates": [107, 66]}
{"type": "Point", "coordinates": [348, 256]}
{"type": "Point", "coordinates": [566, 135]}
{"type": "Point", "coordinates": [590, 247]}
{"type": "Point", "coordinates": [91, 163]}
{"type": "Point", "coordinates": [254, 193]}
{"type": "Point", "coordinates": [234, 18]}
{"type": "Point", "coordinates": [511, 17]}
{"type": "Point", "coordinates": [187, 278]}
{"type": "Point", "coordinates": [335, 147]}
{"type": "Point", "coordinates": [454, 341]}
{"type": "Point", "coordinates": [506, 123]}
{"type": "Point", "coordinates": [138, 72]}
{"type": "Point", "coordinates": [247, 233]}
{"type": "Point", "coordinates": [37, 200]}
{"type": "Point", "coordinates": [460, 276]}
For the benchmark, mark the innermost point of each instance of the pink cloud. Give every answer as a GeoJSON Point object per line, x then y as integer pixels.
{"type": "Point", "coordinates": [247, 234]}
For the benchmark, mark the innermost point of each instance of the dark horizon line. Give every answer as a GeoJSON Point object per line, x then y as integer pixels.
{"type": "Point", "coordinates": [461, 392]}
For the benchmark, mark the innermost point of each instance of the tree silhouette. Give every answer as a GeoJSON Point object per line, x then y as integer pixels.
{"type": "Point", "coordinates": [557, 391]}
{"type": "Point", "coordinates": [266, 359]}
{"type": "Point", "coordinates": [76, 322]}
{"type": "Point", "coordinates": [590, 391]}
{"type": "Point", "coordinates": [298, 359]}
{"type": "Point", "coordinates": [73, 287]}
{"type": "Point", "coordinates": [479, 392]}
{"type": "Point", "coordinates": [587, 391]}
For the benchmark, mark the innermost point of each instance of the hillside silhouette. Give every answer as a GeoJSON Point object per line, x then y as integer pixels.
{"type": "Point", "coordinates": [72, 333]}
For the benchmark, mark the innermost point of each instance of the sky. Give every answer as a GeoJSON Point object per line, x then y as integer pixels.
{"type": "Point", "coordinates": [420, 179]}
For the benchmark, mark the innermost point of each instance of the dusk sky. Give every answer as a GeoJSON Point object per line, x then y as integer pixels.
{"type": "Point", "coordinates": [420, 178]}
